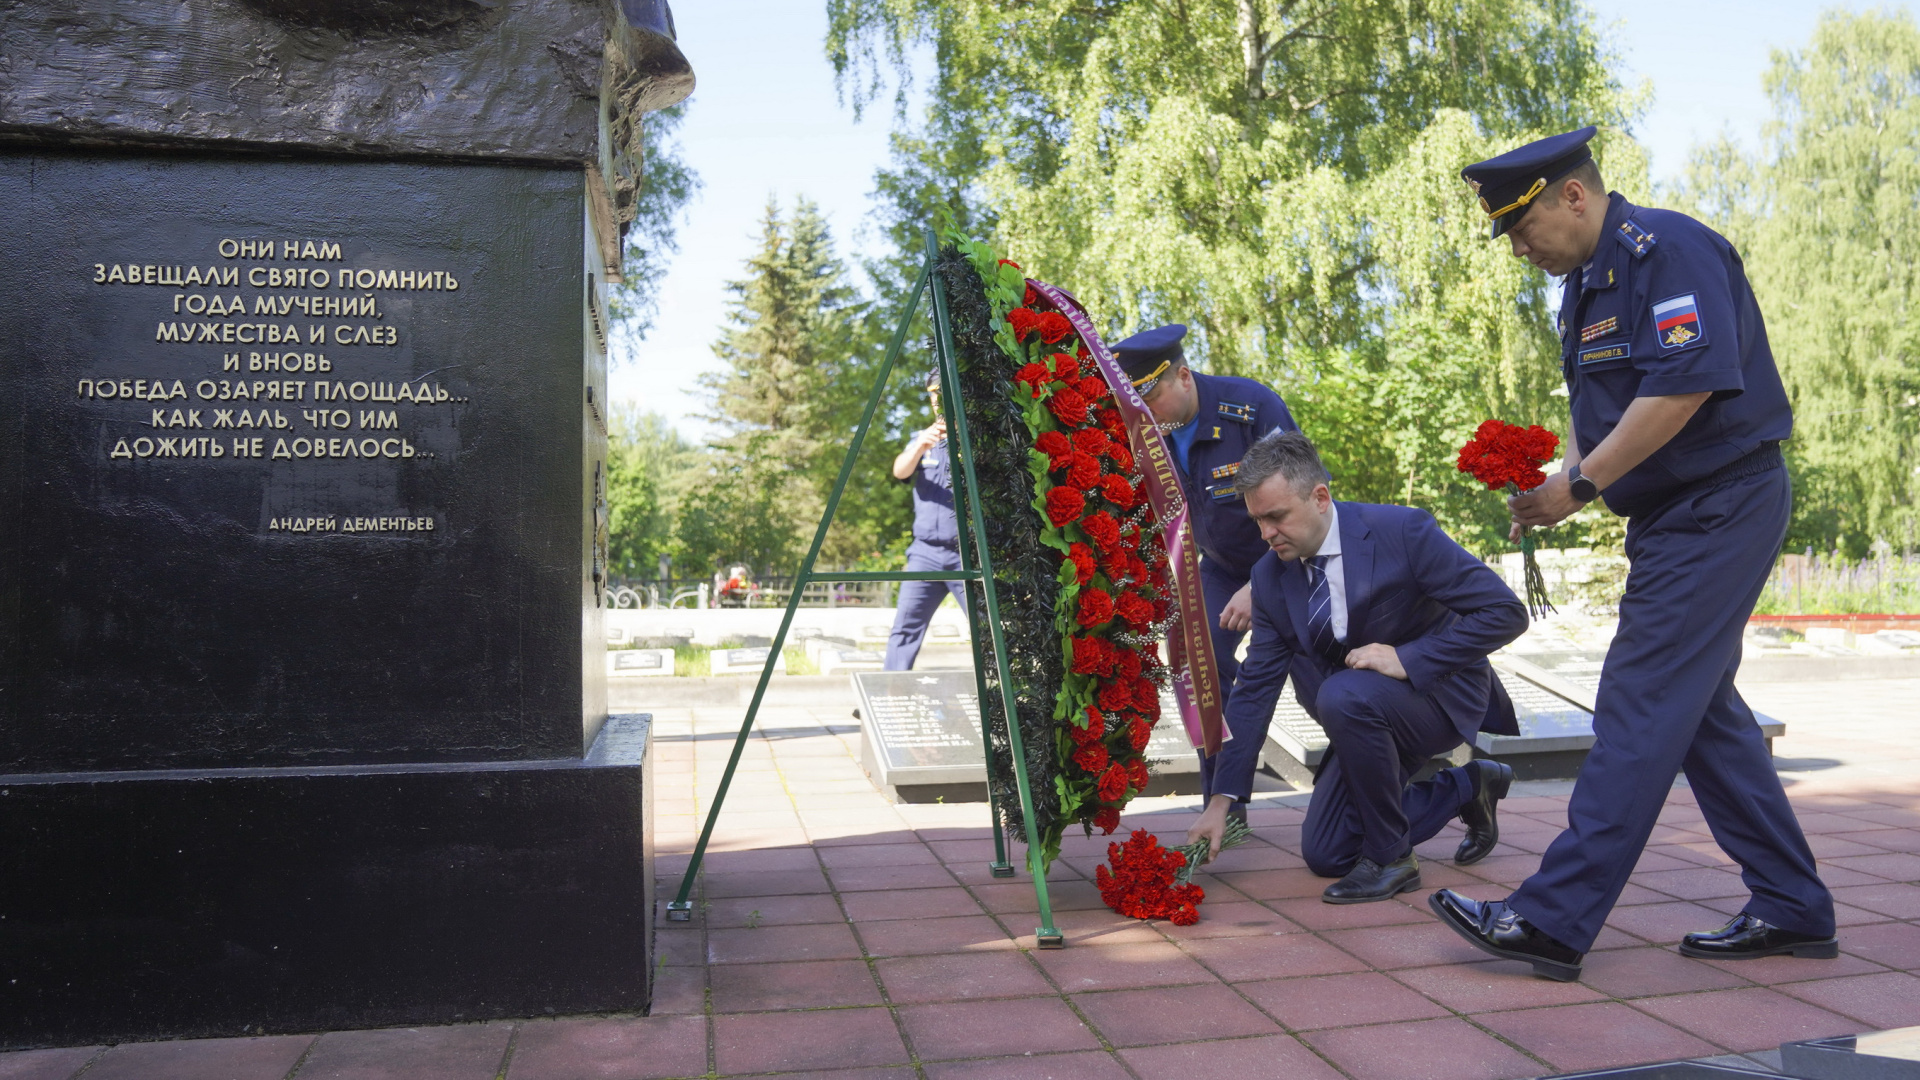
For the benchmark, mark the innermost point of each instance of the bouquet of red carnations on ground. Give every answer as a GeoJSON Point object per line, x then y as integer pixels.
{"type": "Point", "coordinates": [1143, 880]}
{"type": "Point", "coordinates": [1508, 455]}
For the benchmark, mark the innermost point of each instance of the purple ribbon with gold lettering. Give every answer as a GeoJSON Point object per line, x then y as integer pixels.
{"type": "Point", "coordinates": [1196, 676]}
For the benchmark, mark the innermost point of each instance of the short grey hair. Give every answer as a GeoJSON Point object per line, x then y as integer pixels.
{"type": "Point", "coordinates": [1282, 453]}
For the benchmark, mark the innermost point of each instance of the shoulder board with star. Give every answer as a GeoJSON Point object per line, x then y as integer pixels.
{"type": "Point", "coordinates": [1638, 240]}
{"type": "Point", "coordinates": [1235, 411]}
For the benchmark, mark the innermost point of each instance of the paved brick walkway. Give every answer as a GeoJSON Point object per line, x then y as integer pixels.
{"type": "Point", "coordinates": [838, 935]}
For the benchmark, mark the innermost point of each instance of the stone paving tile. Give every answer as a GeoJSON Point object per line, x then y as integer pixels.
{"type": "Point", "coordinates": [679, 945]}
{"type": "Point", "coordinates": [849, 855]}
{"type": "Point", "coordinates": [1650, 970]}
{"type": "Point", "coordinates": [1894, 866]}
{"type": "Point", "coordinates": [1750, 1019]}
{"type": "Point", "coordinates": [1147, 1017]}
{"type": "Point", "coordinates": [767, 883]}
{"type": "Point", "coordinates": [825, 1039]}
{"type": "Point", "coordinates": [1097, 927]}
{"type": "Point", "coordinates": [460, 1052]}
{"type": "Point", "coordinates": [1015, 897]}
{"type": "Point", "coordinates": [1110, 967]}
{"type": "Point", "coordinates": [1274, 956]}
{"type": "Point", "coordinates": [636, 1048]}
{"type": "Point", "coordinates": [1276, 884]}
{"type": "Point", "coordinates": [1085, 1065]}
{"type": "Point", "coordinates": [1893, 944]}
{"type": "Point", "coordinates": [1230, 1059]}
{"type": "Point", "coordinates": [1904, 840]}
{"type": "Point", "coordinates": [1887, 1000]}
{"type": "Point", "coordinates": [1666, 923]}
{"type": "Point", "coordinates": [1775, 970]}
{"type": "Point", "coordinates": [679, 991]}
{"type": "Point", "coordinates": [773, 910]}
{"type": "Point", "coordinates": [966, 1029]}
{"type": "Point", "coordinates": [1598, 1035]}
{"type": "Point", "coordinates": [758, 861]}
{"type": "Point", "coordinates": [1323, 1001]}
{"type": "Point", "coordinates": [1491, 986]}
{"type": "Point", "coordinates": [1891, 899]}
{"type": "Point", "coordinates": [806, 984]}
{"type": "Point", "coordinates": [766, 944]}
{"type": "Point", "coordinates": [58, 1064]}
{"type": "Point", "coordinates": [961, 977]}
{"type": "Point", "coordinates": [266, 1058]}
{"type": "Point", "coordinates": [1424, 1050]}
{"type": "Point", "coordinates": [929, 875]}
{"type": "Point", "coordinates": [914, 937]}
{"type": "Point", "coordinates": [1419, 945]}
{"type": "Point", "coordinates": [882, 904]}
{"type": "Point", "coordinates": [1696, 883]}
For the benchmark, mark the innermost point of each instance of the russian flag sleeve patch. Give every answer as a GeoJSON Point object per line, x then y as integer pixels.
{"type": "Point", "coordinates": [1676, 323]}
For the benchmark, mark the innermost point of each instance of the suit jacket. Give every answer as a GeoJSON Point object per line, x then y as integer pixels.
{"type": "Point", "coordinates": [1410, 586]}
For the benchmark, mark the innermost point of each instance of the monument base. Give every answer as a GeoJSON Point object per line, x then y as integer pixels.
{"type": "Point", "coordinates": [154, 905]}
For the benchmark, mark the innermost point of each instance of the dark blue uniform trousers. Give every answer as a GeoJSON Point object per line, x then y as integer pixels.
{"type": "Point", "coordinates": [1667, 703]}
{"type": "Point", "coordinates": [1381, 732]}
{"type": "Point", "coordinates": [1217, 586]}
{"type": "Point", "coordinates": [919, 599]}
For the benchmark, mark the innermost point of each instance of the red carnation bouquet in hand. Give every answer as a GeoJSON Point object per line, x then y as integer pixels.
{"type": "Point", "coordinates": [1143, 880]}
{"type": "Point", "coordinates": [1508, 455]}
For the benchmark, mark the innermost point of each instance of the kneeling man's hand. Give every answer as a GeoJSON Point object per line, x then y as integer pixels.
{"type": "Point", "coordinates": [1237, 616]}
{"type": "Point", "coordinates": [1212, 826]}
{"type": "Point", "coordinates": [1377, 657]}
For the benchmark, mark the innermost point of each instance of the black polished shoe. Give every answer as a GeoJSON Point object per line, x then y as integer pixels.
{"type": "Point", "coordinates": [1745, 938]}
{"type": "Point", "coordinates": [1498, 929]}
{"type": "Point", "coordinates": [1369, 881]}
{"type": "Point", "coordinates": [1491, 780]}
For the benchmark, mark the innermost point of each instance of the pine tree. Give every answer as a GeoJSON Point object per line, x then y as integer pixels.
{"type": "Point", "coordinates": [798, 357]}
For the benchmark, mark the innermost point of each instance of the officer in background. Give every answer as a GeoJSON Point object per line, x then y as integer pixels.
{"type": "Point", "coordinates": [1210, 421]}
{"type": "Point", "coordinates": [936, 536]}
{"type": "Point", "coordinates": [1677, 417]}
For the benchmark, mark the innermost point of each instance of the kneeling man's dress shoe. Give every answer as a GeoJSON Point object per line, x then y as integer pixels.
{"type": "Point", "coordinates": [1491, 780]}
{"type": "Point", "coordinates": [1369, 881]}
{"type": "Point", "coordinates": [1498, 929]}
{"type": "Point", "coordinates": [1746, 937]}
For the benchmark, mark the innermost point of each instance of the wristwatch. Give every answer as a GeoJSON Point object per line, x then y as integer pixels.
{"type": "Point", "coordinates": [1582, 487]}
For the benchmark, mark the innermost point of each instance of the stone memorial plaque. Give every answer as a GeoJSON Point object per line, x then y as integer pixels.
{"type": "Point", "coordinates": [920, 728]}
{"type": "Point", "coordinates": [1879, 1055]}
{"type": "Point", "coordinates": [632, 663]}
{"type": "Point", "coordinates": [303, 548]}
{"type": "Point", "coordinates": [744, 661]}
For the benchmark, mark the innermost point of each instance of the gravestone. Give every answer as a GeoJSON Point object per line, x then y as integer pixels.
{"type": "Point", "coordinates": [638, 663]}
{"type": "Point", "coordinates": [920, 734]}
{"type": "Point", "coordinates": [744, 661]}
{"type": "Point", "coordinates": [302, 525]}
{"type": "Point", "coordinates": [836, 661]}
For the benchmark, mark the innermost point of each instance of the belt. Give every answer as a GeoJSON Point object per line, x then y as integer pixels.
{"type": "Point", "coordinates": [1764, 458]}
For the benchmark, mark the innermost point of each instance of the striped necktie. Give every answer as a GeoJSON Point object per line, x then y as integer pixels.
{"type": "Point", "coordinates": [1320, 612]}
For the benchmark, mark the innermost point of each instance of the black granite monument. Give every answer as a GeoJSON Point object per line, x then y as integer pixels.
{"type": "Point", "coordinates": [302, 532]}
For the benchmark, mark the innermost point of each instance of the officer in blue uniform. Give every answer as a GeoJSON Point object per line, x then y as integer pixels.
{"type": "Point", "coordinates": [1678, 413]}
{"type": "Point", "coordinates": [936, 536]}
{"type": "Point", "coordinates": [1210, 421]}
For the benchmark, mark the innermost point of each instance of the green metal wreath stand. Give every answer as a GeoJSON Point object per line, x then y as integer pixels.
{"type": "Point", "coordinates": [976, 566]}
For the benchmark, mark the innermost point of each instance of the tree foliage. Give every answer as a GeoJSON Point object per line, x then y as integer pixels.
{"type": "Point", "coordinates": [1281, 175]}
{"type": "Point", "coordinates": [666, 185]}
{"type": "Point", "coordinates": [799, 355]}
{"type": "Point", "coordinates": [1827, 215]}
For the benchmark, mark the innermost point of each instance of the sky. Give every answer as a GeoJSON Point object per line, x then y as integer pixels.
{"type": "Point", "coordinates": [765, 120]}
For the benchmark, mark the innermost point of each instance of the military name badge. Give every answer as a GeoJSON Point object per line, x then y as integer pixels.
{"type": "Point", "coordinates": [1604, 353]}
{"type": "Point", "coordinates": [1676, 323]}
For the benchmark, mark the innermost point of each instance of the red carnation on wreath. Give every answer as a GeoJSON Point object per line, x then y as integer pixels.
{"type": "Point", "coordinates": [1024, 323]}
{"type": "Point", "coordinates": [1065, 505]}
{"type": "Point", "coordinates": [1107, 820]}
{"type": "Point", "coordinates": [1055, 327]}
{"type": "Point", "coordinates": [1510, 456]}
{"type": "Point", "coordinates": [1083, 471]}
{"type": "Point", "coordinates": [1096, 607]}
{"type": "Point", "coordinates": [1035, 377]}
{"type": "Point", "coordinates": [1056, 446]}
{"type": "Point", "coordinates": [1092, 656]}
{"type": "Point", "coordinates": [1104, 531]}
{"type": "Point", "coordinates": [1082, 557]}
{"type": "Point", "coordinates": [1069, 407]}
{"type": "Point", "coordinates": [1065, 368]}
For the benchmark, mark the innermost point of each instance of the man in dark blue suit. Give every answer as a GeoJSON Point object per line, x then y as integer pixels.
{"type": "Point", "coordinates": [1384, 624]}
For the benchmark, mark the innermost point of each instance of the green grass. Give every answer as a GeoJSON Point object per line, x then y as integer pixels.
{"type": "Point", "coordinates": [1831, 585]}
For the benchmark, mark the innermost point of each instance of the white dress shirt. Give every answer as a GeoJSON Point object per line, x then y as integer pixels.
{"type": "Point", "coordinates": [1336, 573]}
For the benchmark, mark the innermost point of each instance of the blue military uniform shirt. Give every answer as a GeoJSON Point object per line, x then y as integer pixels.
{"type": "Point", "coordinates": [934, 520]}
{"type": "Point", "coordinates": [1233, 414]}
{"type": "Point", "coordinates": [1662, 309]}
